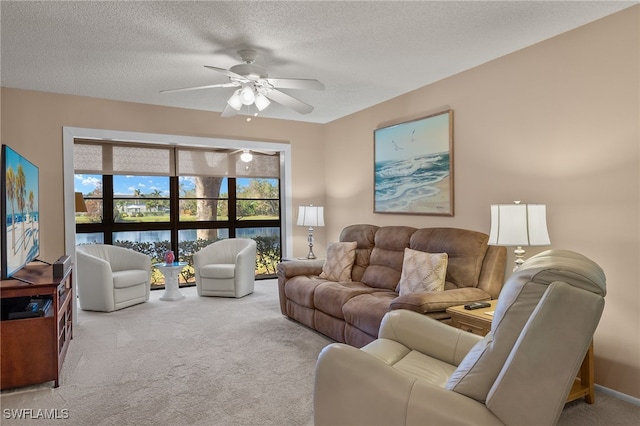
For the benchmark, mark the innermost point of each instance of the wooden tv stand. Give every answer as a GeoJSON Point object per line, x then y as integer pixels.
{"type": "Point", "coordinates": [33, 349]}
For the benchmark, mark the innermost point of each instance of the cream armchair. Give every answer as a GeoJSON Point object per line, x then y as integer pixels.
{"type": "Point", "coordinates": [226, 268]}
{"type": "Point", "coordinates": [423, 372]}
{"type": "Point", "coordinates": [111, 277]}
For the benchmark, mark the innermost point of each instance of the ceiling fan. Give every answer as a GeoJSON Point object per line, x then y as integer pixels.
{"type": "Point", "coordinates": [256, 89]}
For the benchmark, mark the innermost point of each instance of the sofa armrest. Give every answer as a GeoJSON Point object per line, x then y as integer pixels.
{"type": "Point", "coordinates": [348, 381]}
{"type": "Point", "coordinates": [294, 268]}
{"type": "Point", "coordinates": [438, 301]}
{"type": "Point", "coordinates": [426, 335]}
{"type": "Point", "coordinates": [355, 388]}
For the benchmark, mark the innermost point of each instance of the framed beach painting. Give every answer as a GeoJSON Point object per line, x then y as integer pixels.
{"type": "Point", "coordinates": [413, 166]}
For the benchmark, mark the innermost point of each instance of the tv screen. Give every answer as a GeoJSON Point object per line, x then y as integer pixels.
{"type": "Point", "coordinates": [19, 210]}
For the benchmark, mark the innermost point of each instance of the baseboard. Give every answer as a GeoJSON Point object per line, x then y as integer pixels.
{"type": "Point", "coordinates": [619, 395]}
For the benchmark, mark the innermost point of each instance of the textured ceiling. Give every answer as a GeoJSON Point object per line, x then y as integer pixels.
{"type": "Point", "coordinates": [364, 52]}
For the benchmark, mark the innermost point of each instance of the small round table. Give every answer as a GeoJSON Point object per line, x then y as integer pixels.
{"type": "Point", "coordinates": [171, 272]}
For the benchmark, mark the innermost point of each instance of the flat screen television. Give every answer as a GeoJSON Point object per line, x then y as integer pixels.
{"type": "Point", "coordinates": [20, 232]}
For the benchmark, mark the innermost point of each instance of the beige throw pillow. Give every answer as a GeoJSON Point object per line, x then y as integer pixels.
{"type": "Point", "coordinates": [422, 271]}
{"type": "Point", "coordinates": [340, 258]}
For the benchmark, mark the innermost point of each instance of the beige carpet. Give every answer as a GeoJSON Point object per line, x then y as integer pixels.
{"type": "Point", "coordinates": [205, 361]}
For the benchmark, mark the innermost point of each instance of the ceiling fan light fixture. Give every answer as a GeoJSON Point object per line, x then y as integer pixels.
{"type": "Point", "coordinates": [247, 95]}
{"type": "Point", "coordinates": [262, 102]}
{"type": "Point", "coordinates": [246, 156]}
{"type": "Point", "coordinates": [235, 101]}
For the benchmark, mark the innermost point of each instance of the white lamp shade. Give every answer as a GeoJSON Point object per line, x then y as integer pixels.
{"type": "Point", "coordinates": [311, 216]}
{"type": "Point", "coordinates": [247, 96]}
{"type": "Point", "coordinates": [262, 102]}
{"type": "Point", "coordinates": [519, 225]}
{"type": "Point", "coordinates": [234, 101]}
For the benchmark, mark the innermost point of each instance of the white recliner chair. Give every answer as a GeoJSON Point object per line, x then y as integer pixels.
{"type": "Point", "coordinates": [423, 372]}
{"type": "Point", "coordinates": [226, 268]}
{"type": "Point", "coordinates": [111, 277]}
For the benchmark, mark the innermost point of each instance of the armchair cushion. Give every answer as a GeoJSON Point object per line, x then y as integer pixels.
{"type": "Point", "coordinates": [340, 258]}
{"type": "Point", "coordinates": [218, 271]}
{"type": "Point", "coordinates": [124, 279]}
{"type": "Point", "coordinates": [422, 271]}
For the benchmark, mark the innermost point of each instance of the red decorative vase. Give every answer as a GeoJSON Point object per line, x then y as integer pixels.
{"type": "Point", "coordinates": [169, 257]}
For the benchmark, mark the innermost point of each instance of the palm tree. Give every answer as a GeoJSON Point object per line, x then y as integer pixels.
{"type": "Point", "coordinates": [31, 203]}
{"type": "Point", "coordinates": [155, 203]}
{"type": "Point", "coordinates": [21, 189]}
{"type": "Point", "coordinates": [11, 195]}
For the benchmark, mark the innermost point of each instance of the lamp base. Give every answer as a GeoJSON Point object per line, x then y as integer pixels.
{"type": "Point", "coordinates": [519, 254]}
{"type": "Point", "coordinates": [311, 255]}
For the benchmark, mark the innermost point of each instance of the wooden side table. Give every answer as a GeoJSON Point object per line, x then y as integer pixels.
{"type": "Point", "coordinates": [478, 321]}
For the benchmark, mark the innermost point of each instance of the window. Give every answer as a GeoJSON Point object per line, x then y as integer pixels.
{"type": "Point", "coordinates": [157, 205]}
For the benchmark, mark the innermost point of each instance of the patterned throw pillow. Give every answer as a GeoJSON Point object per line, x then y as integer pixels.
{"type": "Point", "coordinates": [422, 271]}
{"type": "Point", "coordinates": [340, 258]}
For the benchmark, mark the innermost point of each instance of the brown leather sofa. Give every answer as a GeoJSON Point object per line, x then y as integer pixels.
{"type": "Point", "coordinates": [351, 312]}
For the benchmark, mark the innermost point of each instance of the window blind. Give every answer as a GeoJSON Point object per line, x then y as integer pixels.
{"type": "Point", "coordinates": [108, 159]}
{"type": "Point", "coordinates": [93, 157]}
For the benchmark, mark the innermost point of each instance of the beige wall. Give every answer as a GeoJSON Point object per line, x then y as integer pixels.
{"type": "Point", "coordinates": [556, 123]}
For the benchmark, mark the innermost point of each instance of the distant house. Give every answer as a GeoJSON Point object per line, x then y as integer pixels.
{"type": "Point", "coordinates": [136, 208]}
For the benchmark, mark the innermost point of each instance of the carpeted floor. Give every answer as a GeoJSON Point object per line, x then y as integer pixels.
{"type": "Point", "coordinates": [203, 361]}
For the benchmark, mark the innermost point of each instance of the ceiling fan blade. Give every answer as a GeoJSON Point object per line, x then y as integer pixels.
{"type": "Point", "coordinates": [228, 111]}
{"type": "Point", "coordinates": [296, 83]}
{"type": "Point", "coordinates": [289, 101]}
{"type": "Point", "coordinates": [226, 72]}
{"type": "Point", "coordinates": [210, 86]}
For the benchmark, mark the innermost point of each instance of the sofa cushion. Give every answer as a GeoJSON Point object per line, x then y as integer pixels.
{"type": "Point", "coordinates": [365, 311]}
{"type": "Point", "coordinates": [422, 271]}
{"type": "Point", "coordinates": [329, 297]}
{"type": "Point", "coordinates": [340, 257]}
{"type": "Point", "coordinates": [466, 250]}
{"type": "Point", "coordinates": [385, 264]}
{"type": "Point", "coordinates": [300, 289]}
{"type": "Point", "coordinates": [364, 236]}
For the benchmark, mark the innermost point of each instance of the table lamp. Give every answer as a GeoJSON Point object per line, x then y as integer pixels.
{"type": "Point", "coordinates": [519, 225]}
{"type": "Point", "coordinates": [311, 216]}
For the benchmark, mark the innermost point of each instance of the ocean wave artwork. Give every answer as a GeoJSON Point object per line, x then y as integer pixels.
{"type": "Point", "coordinates": [413, 166]}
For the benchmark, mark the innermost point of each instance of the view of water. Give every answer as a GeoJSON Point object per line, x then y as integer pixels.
{"type": "Point", "coordinates": [184, 235]}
